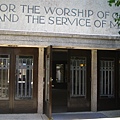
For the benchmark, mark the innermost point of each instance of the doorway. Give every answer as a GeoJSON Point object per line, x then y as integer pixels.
{"type": "Point", "coordinates": [108, 80]}
{"type": "Point", "coordinates": [59, 83]}
{"type": "Point", "coordinates": [67, 80]}
{"type": "Point", "coordinates": [18, 80]}
{"type": "Point", "coordinates": [71, 80]}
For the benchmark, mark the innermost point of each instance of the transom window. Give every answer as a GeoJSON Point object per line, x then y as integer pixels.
{"type": "Point", "coordinates": [78, 76]}
{"type": "Point", "coordinates": [107, 78]}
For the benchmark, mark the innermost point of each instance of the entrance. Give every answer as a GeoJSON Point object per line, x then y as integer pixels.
{"type": "Point", "coordinates": [18, 80]}
{"type": "Point", "coordinates": [79, 80]}
{"type": "Point", "coordinates": [67, 80]}
{"type": "Point", "coordinates": [59, 84]}
{"type": "Point", "coordinates": [108, 80]}
{"type": "Point", "coordinates": [71, 80]}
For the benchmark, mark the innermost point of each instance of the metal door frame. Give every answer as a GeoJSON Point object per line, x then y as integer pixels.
{"type": "Point", "coordinates": [12, 104]}
{"type": "Point", "coordinates": [107, 56]}
{"type": "Point", "coordinates": [80, 103]}
{"type": "Point", "coordinates": [48, 82]}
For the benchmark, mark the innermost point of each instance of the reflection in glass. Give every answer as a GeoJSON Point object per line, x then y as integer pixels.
{"type": "Point", "coordinates": [78, 75]}
{"type": "Point", "coordinates": [107, 78]}
{"type": "Point", "coordinates": [4, 76]}
{"type": "Point", "coordinates": [24, 77]}
{"type": "Point", "coordinates": [60, 73]}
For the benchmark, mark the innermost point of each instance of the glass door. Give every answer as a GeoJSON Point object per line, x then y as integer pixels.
{"type": "Point", "coordinates": [4, 76]}
{"type": "Point", "coordinates": [48, 82]}
{"type": "Point", "coordinates": [18, 80]}
{"type": "Point", "coordinates": [24, 77]}
{"type": "Point", "coordinates": [25, 80]}
{"type": "Point", "coordinates": [118, 93]}
{"type": "Point", "coordinates": [79, 80]}
{"type": "Point", "coordinates": [107, 80]}
{"type": "Point", "coordinates": [107, 68]}
{"type": "Point", "coordinates": [4, 82]}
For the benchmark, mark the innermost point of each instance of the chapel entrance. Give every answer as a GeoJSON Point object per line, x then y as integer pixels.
{"type": "Point", "coordinates": [18, 80]}
{"type": "Point", "coordinates": [71, 80]}
{"type": "Point", "coordinates": [108, 80]}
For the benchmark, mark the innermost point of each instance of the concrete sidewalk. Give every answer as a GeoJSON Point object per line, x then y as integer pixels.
{"type": "Point", "coordinates": [111, 114]}
{"type": "Point", "coordinates": [101, 115]}
{"type": "Point", "coordinates": [23, 117]}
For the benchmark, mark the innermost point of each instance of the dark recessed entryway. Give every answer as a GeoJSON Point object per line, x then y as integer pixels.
{"type": "Point", "coordinates": [108, 80]}
{"type": "Point", "coordinates": [59, 84]}
{"type": "Point", "coordinates": [67, 80]}
{"type": "Point", "coordinates": [71, 80]}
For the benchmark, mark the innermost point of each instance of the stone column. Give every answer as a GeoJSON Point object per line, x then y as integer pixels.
{"type": "Point", "coordinates": [94, 81]}
{"type": "Point", "coordinates": [40, 80]}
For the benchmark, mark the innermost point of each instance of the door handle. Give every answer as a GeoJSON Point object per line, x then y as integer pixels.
{"type": "Point", "coordinates": [51, 79]}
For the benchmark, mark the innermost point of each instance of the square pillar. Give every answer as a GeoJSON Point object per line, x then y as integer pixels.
{"type": "Point", "coordinates": [94, 81]}
{"type": "Point", "coordinates": [40, 80]}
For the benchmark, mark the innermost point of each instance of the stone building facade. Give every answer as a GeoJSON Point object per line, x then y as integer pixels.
{"type": "Point", "coordinates": [58, 56]}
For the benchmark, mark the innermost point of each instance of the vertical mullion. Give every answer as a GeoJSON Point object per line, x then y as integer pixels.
{"type": "Point", "coordinates": [102, 78]}
{"type": "Point", "coordinates": [29, 78]}
{"type": "Point", "coordinates": [72, 71]}
{"type": "Point", "coordinates": [81, 91]}
{"type": "Point", "coordinates": [83, 78]}
{"type": "Point", "coordinates": [26, 86]}
{"type": "Point", "coordinates": [21, 84]}
{"type": "Point", "coordinates": [25, 91]}
{"type": "Point", "coordinates": [30, 81]}
{"type": "Point", "coordinates": [8, 73]}
{"type": "Point", "coordinates": [2, 80]}
{"type": "Point", "coordinates": [105, 79]}
{"type": "Point", "coordinates": [5, 74]}
{"type": "Point", "coordinates": [101, 69]}
{"type": "Point", "coordinates": [79, 78]}
{"type": "Point", "coordinates": [21, 80]}
{"type": "Point", "coordinates": [46, 76]}
{"type": "Point", "coordinates": [32, 73]}
{"type": "Point", "coordinates": [6, 77]}
{"type": "Point", "coordinates": [76, 77]}
{"type": "Point", "coordinates": [17, 79]}
{"type": "Point", "coordinates": [112, 72]}
{"type": "Point", "coordinates": [7, 67]}
{"type": "Point", "coordinates": [17, 83]}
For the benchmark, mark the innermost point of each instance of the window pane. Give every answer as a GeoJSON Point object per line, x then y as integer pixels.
{"type": "Point", "coordinates": [24, 77]}
{"type": "Point", "coordinates": [47, 78]}
{"type": "Point", "coordinates": [106, 78]}
{"type": "Point", "coordinates": [4, 76]}
{"type": "Point", "coordinates": [78, 76]}
{"type": "Point", "coordinates": [60, 73]}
